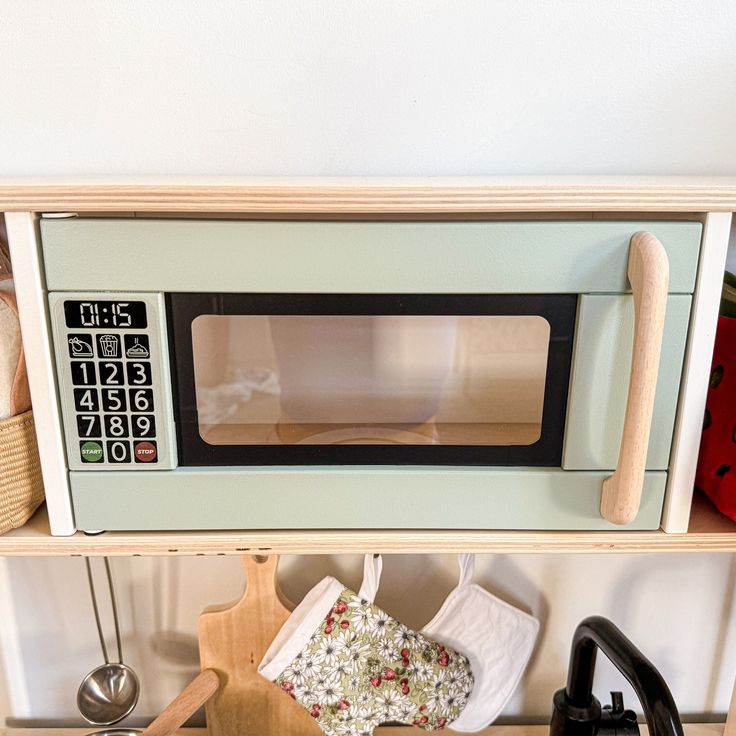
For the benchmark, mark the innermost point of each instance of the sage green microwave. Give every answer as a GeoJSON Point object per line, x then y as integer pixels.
{"type": "Point", "coordinates": [242, 374]}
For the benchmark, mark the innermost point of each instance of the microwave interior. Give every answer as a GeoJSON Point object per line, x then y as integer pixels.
{"type": "Point", "coordinates": [299, 379]}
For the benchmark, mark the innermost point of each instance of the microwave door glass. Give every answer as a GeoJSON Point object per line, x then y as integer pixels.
{"type": "Point", "coordinates": [353, 379]}
{"type": "Point", "coordinates": [370, 379]}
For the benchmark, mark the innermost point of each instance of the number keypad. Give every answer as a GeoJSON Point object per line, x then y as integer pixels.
{"type": "Point", "coordinates": [112, 361]}
{"type": "Point", "coordinates": [113, 397]}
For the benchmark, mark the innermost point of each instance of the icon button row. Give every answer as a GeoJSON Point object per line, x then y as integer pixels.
{"type": "Point", "coordinates": [109, 346]}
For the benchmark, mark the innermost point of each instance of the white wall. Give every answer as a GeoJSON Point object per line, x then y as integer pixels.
{"type": "Point", "coordinates": [347, 87]}
{"type": "Point", "coordinates": [352, 87]}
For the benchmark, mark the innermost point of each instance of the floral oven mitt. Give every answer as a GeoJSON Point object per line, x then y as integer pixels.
{"type": "Point", "coordinates": [361, 668]}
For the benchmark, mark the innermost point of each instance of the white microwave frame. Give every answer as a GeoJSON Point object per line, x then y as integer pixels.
{"type": "Point", "coordinates": [25, 246]}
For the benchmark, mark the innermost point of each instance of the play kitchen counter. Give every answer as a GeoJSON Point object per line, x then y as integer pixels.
{"type": "Point", "coordinates": [693, 214]}
{"type": "Point", "coordinates": [170, 301]}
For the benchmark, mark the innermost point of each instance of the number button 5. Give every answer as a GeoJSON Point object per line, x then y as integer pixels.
{"type": "Point", "coordinates": [139, 374]}
{"type": "Point", "coordinates": [113, 399]}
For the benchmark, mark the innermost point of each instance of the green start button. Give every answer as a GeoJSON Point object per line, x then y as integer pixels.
{"type": "Point", "coordinates": [91, 452]}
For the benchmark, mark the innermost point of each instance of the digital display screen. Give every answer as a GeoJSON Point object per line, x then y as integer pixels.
{"type": "Point", "coordinates": [120, 315]}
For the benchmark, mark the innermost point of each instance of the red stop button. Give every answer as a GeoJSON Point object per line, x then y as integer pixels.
{"type": "Point", "coordinates": [145, 452]}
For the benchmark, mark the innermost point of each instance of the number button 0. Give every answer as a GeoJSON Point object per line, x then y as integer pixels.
{"type": "Point", "coordinates": [141, 399]}
{"type": "Point", "coordinates": [113, 399]}
{"type": "Point", "coordinates": [139, 374]}
{"type": "Point", "coordinates": [83, 373]}
{"type": "Point", "coordinates": [116, 426]}
{"type": "Point", "coordinates": [89, 425]}
{"type": "Point", "coordinates": [111, 373]}
{"type": "Point", "coordinates": [118, 452]}
{"type": "Point", "coordinates": [144, 425]}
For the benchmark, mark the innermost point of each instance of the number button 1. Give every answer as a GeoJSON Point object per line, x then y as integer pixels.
{"type": "Point", "coordinates": [113, 399]}
{"type": "Point", "coordinates": [141, 399]}
{"type": "Point", "coordinates": [139, 374]}
{"type": "Point", "coordinates": [83, 373]}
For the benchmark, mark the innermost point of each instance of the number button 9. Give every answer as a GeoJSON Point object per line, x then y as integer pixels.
{"type": "Point", "coordinates": [144, 425]}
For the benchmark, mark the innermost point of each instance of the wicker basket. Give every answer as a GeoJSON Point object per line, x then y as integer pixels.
{"type": "Point", "coordinates": [21, 487]}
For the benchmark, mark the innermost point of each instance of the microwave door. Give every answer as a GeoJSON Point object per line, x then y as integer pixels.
{"type": "Point", "coordinates": [295, 379]}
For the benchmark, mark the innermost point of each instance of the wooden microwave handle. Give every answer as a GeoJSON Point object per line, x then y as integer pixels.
{"type": "Point", "coordinates": [648, 272]}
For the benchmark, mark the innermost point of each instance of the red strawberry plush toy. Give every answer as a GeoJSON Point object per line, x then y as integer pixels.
{"type": "Point", "coordinates": [716, 474]}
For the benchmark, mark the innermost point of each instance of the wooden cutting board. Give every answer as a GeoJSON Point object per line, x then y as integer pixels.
{"type": "Point", "coordinates": [232, 641]}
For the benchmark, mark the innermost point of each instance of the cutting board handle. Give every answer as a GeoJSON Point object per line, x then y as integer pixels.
{"type": "Point", "coordinates": [232, 641]}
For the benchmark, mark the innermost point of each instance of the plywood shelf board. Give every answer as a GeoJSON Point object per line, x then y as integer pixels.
{"type": "Point", "coordinates": [370, 195]}
{"type": "Point", "coordinates": [709, 534]}
{"type": "Point", "coordinates": [691, 729]}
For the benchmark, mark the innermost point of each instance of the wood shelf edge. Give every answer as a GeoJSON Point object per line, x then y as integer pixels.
{"type": "Point", "coordinates": [369, 195]}
{"type": "Point", "coordinates": [34, 539]}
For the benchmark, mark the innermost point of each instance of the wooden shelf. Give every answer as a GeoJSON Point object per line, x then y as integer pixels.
{"type": "Point", "coordinates": [709, 532]}
{"type": "Point", "coordinates": [369, 194]}
{"type": "Point", "coordinates": [691, 729]}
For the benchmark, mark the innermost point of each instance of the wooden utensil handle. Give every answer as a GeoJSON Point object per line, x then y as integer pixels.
{"type": "Point", "coordinates": [648, 272]}
{"type": "Point", "coordinates": [185, 704]}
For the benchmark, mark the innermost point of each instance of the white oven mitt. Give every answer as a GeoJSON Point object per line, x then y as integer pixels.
{"type": "Point", "coordinates": [497, 638]}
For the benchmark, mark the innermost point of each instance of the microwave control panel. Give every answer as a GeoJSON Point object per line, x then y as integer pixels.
{"type": "Point", "coordinates": [112, 363]}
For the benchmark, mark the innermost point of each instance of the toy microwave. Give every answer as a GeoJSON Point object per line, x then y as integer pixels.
{"type": "Point", "coordinates": [284, 374]}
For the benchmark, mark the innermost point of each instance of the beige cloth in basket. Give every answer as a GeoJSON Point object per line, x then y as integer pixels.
{"type": "Point", "coordinates": [21, 486]}
{"type": "Point", "coordinates": [15, 397]}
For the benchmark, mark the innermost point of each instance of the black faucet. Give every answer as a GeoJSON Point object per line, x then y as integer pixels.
{"type": "Point", "coordinates": [577, 712]}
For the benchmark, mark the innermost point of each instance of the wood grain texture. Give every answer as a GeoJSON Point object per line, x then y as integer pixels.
{"type": "Point", "coordinates": [649, 276]}
{"type": "Point", "coordinates": [369, 195]}
{"type": "Point", "coordinates": [232, 641]}
{"type": "Point", "coordinates": [691, 729]}
{"type": "Point", "coordinates": [730, 727]}
{"type": "Point", "coordinates": [185, 704]}
{"type": "Point", "coordinates": [710, 532]}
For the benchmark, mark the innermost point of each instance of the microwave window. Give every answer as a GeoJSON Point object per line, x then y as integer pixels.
{"type": "Point", "coordinates": [357, 379]}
